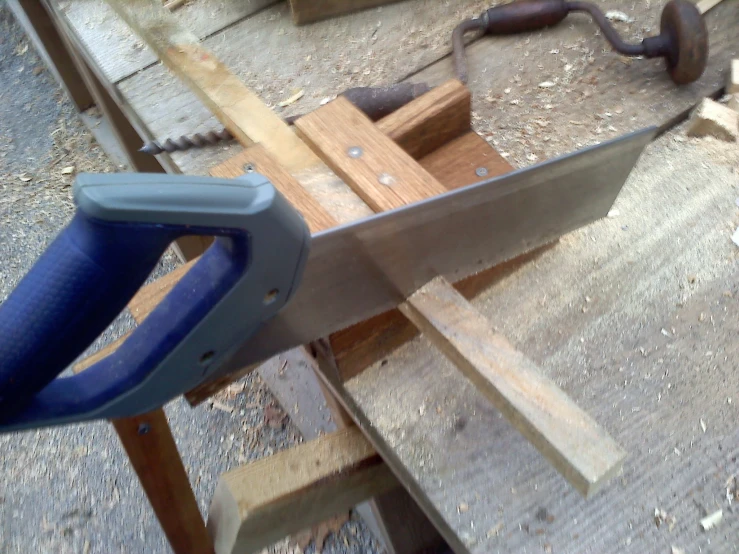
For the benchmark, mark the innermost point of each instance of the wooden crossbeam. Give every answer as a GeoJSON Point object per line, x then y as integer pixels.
{"type": "Point", "coordinates": [261, 502]}
{"type": "Point", "coordinates": [386, 178]}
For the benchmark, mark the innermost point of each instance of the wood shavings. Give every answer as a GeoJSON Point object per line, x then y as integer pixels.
{"type": "Point", "coordinates": [320, 532]}
{"type": "Point", "coordinates": [735, 237]}
{"type": "Point", "coordinates": [663, 518]}
{"type": "Point", "coordinates": [495, 530]}
{"type": "Point", "coordinates": [676, 550]}
{"type": "Point", "coordinates": [463, 507]}
{"type": "Point", "coordinates": [615, 15]}
{"type": "Point", "coordinates": [703, 425]}
{"type": "Point", "coordinates": [547, 84]}
{"type": "Point", "coordinates": [25, 178]}
{"type": "Point", "coordinates": [712, 520]}
{"type": "Point", "coordinates": [291, 100]}
{"type": "Point", "coordinates": [68, 170]}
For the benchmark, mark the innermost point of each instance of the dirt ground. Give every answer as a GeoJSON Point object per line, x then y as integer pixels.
{"type": "Point", "coordinates": [70, 490]}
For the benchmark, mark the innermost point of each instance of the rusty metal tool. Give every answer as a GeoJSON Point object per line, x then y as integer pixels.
{"type": "Point", "coordinates": [376, 102]}
{"type": "Point", "coordinates": [682, 42]}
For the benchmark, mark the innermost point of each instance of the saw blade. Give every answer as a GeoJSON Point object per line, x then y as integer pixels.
{"type": "Point", "coordinates": [365, 268]}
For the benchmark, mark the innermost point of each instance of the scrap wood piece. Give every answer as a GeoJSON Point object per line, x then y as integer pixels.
{"type": "Point", "coordinates": [713, 119]}
{"type": "Point", "coordinates": [233, 103]}
{"type": "Point", "coordinates": [566, 435]}
{"type": "Point", "coordinates": [308, 11]}
{"type": "Point", "coordinates": [732, 85]}
{"type": "Point", "coordinates": [535, 405]}
{"type": "Point", "coordinates": [431, 120]}
{"type": "Point", "coordinates": [705, 5]}
{"type": "Point", "coordinates": [261, 502]}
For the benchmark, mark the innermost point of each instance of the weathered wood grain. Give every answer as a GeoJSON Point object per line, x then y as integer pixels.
{"type": "Point", "coordinates": [237, 107]}
{"type": "Point", "coordinates": [308, 11]}
{"type": "Point", "coordinates": [261, 502]}
{"type": "Point", "coordinates": [120, 53]}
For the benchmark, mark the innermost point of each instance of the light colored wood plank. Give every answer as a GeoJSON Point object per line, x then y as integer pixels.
{"type": "Point", "coordinates": [536, 407]}
{"type": "Point", "coordinates": [151, 448]}
{"type": "Point", "coordinates": [119, 52]}
{"type": "Point", "coordinates": [705, 5]}
{"type": "Point", "coordinates": [237, 107]}
{"type": "Point", "coordinates": [569, 438]}
{"type": "Point", "coordinates": [430, 122]}
{"type": "Point", "coordinates": [732, 84]}
{"type": "Point", "coordinates": [308, 11]}
{"type": "Point", "coordinates": [261, 502]}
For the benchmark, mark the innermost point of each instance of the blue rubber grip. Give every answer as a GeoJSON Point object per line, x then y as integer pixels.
{"type": "Point", "coordinates": [71, 295]}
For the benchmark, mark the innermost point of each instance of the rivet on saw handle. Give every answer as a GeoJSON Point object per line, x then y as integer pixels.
{"type": "Point", "coordinates": [683, 38]}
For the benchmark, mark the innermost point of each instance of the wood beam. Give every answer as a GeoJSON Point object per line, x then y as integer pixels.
{"type": "Point", "coordinates": [261, 502]}
{"type": "Point", "coordinates": [151, 448]}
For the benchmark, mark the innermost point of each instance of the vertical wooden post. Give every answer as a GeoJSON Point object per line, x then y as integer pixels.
{"type": "Point", "coordinates": [153, 453]}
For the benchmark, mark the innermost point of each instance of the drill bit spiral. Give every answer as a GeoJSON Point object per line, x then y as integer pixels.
{"type": "Point", "coordinates": [180, 144]}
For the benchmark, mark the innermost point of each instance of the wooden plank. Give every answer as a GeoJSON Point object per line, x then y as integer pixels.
{"type": "Point", "coordinates": [152, 451]}
{"type": "Point", "coordinates": [732, 84]}
{"type": "Point", "coordinates": [457, 163]}
{"type": "Point", "coordinates": [433, 120]}
{"type": "Point", "coordinates": [261, 502]}
{"type": "Point", "coordinates": [569, 438]}
{"type": "Point", "coordinates": [705, 5]}
{"type": "Point", "coordinates": [118, 51]}
{"type": "Point", "coordinates": [359, 346]}
{"type": "Point", "coordinates": [378, 172]}
{"type": "Point", "coordinates": [540, 410]}
{"type": "Point", "coordinates": [237, 107]}
{"type": "Point", "coordinates": [308, 11]}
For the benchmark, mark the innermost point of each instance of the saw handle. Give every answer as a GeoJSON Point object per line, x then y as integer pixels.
{"type": "Point", "coordinates": [88, 274]}
{"type": "Point", "coordinates": [72, 294]}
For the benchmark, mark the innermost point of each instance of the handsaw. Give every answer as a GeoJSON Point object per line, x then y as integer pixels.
{"type": "Point", "coordinates": [263, 287]}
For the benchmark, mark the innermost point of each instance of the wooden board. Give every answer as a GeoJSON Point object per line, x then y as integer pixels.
{"type": "Point", "coordinates": [259, 503]}
{"type": "Point", "coordinates": [569, 438]}
{"type": "Point", "coordinates": [237, 107]}
{"type": "Point", "coordinates": [308, 11]}
{"type": "Point", "coordinates": [120, 53]}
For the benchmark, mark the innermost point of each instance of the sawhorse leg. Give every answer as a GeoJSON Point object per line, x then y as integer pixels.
{"type": "Point", "coordinates": [153, 453]}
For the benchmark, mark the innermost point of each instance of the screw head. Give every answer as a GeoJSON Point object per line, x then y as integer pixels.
{"type": "Point", "coordinates": [481, 171]}
{"type": "Point", "coordinates": [249, 168]}
{"type": "Point", "coordinates": [386, 179]}
{"type": "Point", "coordinates": [144, 428]}
{"type": "Point", "coordinates": [355, 152]}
